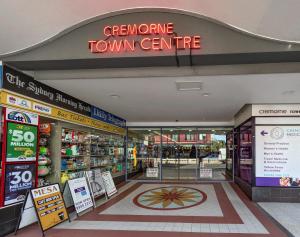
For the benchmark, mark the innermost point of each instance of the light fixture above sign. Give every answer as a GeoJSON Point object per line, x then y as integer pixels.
{"type": "Point", "coordinates": [147, 37]}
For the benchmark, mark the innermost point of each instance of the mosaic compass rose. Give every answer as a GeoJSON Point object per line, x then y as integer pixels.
{"type": "Point", "coordinates": [170, 198]}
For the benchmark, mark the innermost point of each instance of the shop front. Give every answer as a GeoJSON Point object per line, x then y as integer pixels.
{"type": "Point", "coordinates": [266, 144]}
{"type": "Point", "coordinates": [186, 154]}
{"type": "Point", "coordinates": [257, 149]}
{"type": "Point", "coordinates": [50, 137]}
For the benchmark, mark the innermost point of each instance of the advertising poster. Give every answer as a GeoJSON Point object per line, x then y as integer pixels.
{"type": "Point", "coordinates": [21, 142]}
{"type": "Point", "coordinates": [18, 180]}
{"type": "Point", "coordinates": [96, 183]}
{"type": "Point", "coordinates": [109, 183]}
{"type": "Point", "coordinates": [49, 206]}
{"type": "Point", "coordinates": [21, 117]}
{"type": "Point", "coordinates": [80, 194]}
{"type": "Point", "coordinates": [277, 156]}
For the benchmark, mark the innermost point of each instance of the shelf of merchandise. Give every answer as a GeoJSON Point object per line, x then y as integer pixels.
{"type": "Point", "coordinates": [44, 179]}
{"type": "Point", "coordinates": [73, 156]}
{"type": "Point", "coordinates": [99, 152]}
{"type": "Point", "coordinates": [74, 169]}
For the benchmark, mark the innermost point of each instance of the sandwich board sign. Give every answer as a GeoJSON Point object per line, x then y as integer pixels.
{"type": "Point", "coordinates": [109, 184]}
{"type": "Point", "coordinates": [49, 206]}
{"type": "Point", "coordinates": [28, 214]}
{"type": "Point", "coordinates": [80, 194]}
{"type": "Point", "coordinates": [95, 181]}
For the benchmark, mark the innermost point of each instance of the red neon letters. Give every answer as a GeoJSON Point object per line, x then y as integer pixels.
{"type": "Point", "coordinates": [148, 37]}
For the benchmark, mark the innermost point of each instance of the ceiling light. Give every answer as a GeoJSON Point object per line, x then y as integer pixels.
{"type": "Point", "coordinates": [149, 130]}
{"type": "Point", "coordinates": [205, 94]}
{"type": "Point", "coordinates": [114, 96]}
{"type": "Point", "coordinates": [188, 85]}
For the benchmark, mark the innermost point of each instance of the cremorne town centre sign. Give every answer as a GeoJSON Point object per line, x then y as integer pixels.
{"type": "Point", "coordinates": [147, 37]}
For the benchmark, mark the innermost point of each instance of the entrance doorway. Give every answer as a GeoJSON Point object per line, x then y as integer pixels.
{"type": "Point", "coordinates": [194, 153]}
{"type": "Point", "coordinates": [177, 153]}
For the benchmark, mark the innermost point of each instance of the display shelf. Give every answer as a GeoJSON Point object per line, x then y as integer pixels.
{"type": "Point", "coordinates": [74, 156]}
{"type": "Point", "coordinates": [96, 150]}
{"type": "Point", "coordinates": [74, 169]}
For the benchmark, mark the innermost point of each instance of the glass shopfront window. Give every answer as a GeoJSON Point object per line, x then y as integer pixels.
{"type": "Point", "coordinates": [229, 152]}
{"type": "Point", "coordinates": [176, 153]}
{"type": "Point", "coordinates": [245, 152]}
{"type": "Point", "coordinates": [143, 153]}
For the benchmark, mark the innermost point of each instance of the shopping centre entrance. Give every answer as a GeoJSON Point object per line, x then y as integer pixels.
{"type": "Point", "coordinates": [178, 153]}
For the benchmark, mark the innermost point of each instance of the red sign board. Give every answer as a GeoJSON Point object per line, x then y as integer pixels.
{"type": "Point", "coordinates": [147, 37]}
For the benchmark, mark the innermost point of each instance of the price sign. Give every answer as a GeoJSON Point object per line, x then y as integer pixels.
{"type": "Point", "coordinates": [21, 142]}
{"type": "Point", "coordinates": [18, 179]}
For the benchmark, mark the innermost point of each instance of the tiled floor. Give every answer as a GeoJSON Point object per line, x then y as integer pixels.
{"type": "Point", "coordinates": [216, 209]}
{"type": "Point", "coordinates": [287, 214]}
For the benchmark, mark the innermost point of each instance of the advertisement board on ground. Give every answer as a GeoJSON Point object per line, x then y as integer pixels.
{"type": "Point", "coordinates": [49, 206]}
{"type": "Point", "coordinates": [80, 194]}
{"type": "Point", "coordinates": [152, 172]}
{"type": "Point", "coordinates": [96, 183]}
{"type": "Point", "coordinates": [206, 173]}
{"type": "Point", "coordinates": [277, 156]}
{"type": "Point", "coordinates": [109, 183]}
{"type": "Point", "coordinates": [18, 179]}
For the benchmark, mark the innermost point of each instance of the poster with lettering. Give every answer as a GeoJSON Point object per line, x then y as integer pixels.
{"type": "Point", "coordinates": [49, 206]}
{"type": "Point", "coordinates": [277, 156]}
{"type": "Point", "coordinates": [18, 179]}
{"type": "Point", "coordinates": [80, 194]}
{"type": "Point", "coordinates": [21, 142]}
{"type": "Point", "coordinates": [109, 183]}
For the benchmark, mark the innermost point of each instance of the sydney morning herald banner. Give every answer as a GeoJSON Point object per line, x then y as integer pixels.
{"type": "Point", "coordinates": [23, 84]}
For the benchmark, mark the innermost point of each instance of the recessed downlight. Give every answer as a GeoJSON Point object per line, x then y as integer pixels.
{"type": "Point", "coordinates": [115, 96]}
{"type": "Point", "coordinates": [206, 94]}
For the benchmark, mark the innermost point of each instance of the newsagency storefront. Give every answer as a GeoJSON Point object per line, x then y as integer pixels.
{"type": "Point", "coordinates": [50, 137]}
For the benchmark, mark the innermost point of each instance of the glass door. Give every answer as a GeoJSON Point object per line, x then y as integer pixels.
{"type": "Point", "coordinates": [179, 153]}
{"type": "Point", "coordinates": [212, 154]}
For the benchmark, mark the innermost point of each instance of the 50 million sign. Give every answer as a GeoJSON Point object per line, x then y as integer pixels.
{"type": "Point", "coordinates": [21, 143]}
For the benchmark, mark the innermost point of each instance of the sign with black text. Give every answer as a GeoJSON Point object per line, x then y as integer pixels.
{"type": "Point", "coordinates": [49, 206]}
{"type": "Point", "coordinates": [277, 156]}
{"type": "Point", "coordinates": [109, 184]}
{"type": "Point", "coordinates": [80, 194]}
{"type": "Point", "coordinates": [152, 172]}
{"type": "Point", "coordinates": [23, 84]}
{"type": "Point", "coordinates": [19, 178]}
{"type": "Point", "coordinates": [206, 173]}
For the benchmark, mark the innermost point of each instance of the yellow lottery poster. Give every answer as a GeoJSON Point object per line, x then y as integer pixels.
{"type": "Point", "coordinates": [49, 205]}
